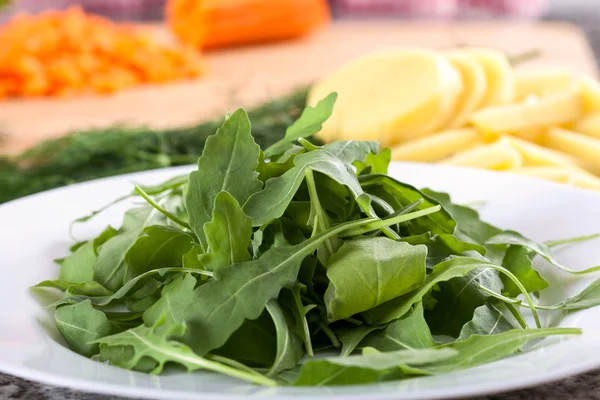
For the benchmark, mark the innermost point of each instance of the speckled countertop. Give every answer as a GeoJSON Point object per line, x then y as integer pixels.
{"type": "Point", "coordinates": [582, 387]}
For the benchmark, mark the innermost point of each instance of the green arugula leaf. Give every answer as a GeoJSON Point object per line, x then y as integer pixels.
{"type": "Point", "coordinates": [352, 337]}
{"type": "Point", "coordinates": [367, 272]}
{"type": "Point", "coordinates": [515, 238]}
{"type": "Point", "coordinates": [349, 151]}
{"type": "Point", "coordinates": [487, 320]}
{"type": "Point", "coordinates": [228, 163]}
{"type": "Point", "coordinates": [146, 343]}
{"type": "Point", "coordinates": [517, 261]}
{"type": "Point", "coordinates": [81, 324]}
{"type": "Point", "coordinates": [79, 266]}
{"type": "Point", "coordinates": [442, 246]}
{"type": "Point", "coordinates": [228, 234]}
{"type": "Point", "coordinates": [478, 349]}
{"type": "Point", "coordinates": [407, 333]}
{"type": "Point", "coordinates": [109, 268]}
{"type": "Point", "coordinates": [310, 122]}
{"type": "Point", "coordinates": [454, 267]}
{"type": "Point", "coordinates": [292, 299]}
{"type": "Point", "coordinates": [161, 247]}
{"type": "Point", "coordinates": [241, 291]}
{"type": "Point", "coordinates": [289, 345]}
{"type": "Point", "coordinates": [369, 368]}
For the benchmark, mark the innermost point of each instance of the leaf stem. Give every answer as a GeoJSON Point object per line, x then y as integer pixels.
{"type": "Point", "coordinates": [577, 239]}
{"type": "Point", "coordinates": [234, 364]}
{"type": "Point", "coordinates": [334, 340]}
{"type": "Point", "coordinates": [306, 330]}
{"type": "Point", "coordinates": [517, 315]}
{"type": "Point", "coordinates": [378, 224]}
{"type": "Point", "coordinates": [160, 209]}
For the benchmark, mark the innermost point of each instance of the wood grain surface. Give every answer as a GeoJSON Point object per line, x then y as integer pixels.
{"type": "Point", "coordinates": [251, 75]}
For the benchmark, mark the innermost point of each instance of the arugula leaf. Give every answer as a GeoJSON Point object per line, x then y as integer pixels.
{"type": "Point", "coordinates": [289, 345]}
{"type": "Point", "coordinates": [515, 238]}
{"type": "Point", "coordinates": [478, 349]}
{"type": "Point", "coordinates": [228, 163]}
{"type": "Point", "coordinates": [292, 299]}
{"type": "Point", "coordinates": [239, 292]}
{"type": "Point", "coordinates": [406, 333]}
{"type": "Point", "coordinates": [368, 368]}
{"type": "Point", "coordinates": [456, 266]}
{"type": "Point", "coordinates": [517, 261]}
{"type": "Point", "coordinates": [352, 337]}
{"type": "Point", "coordinates": [487, 320]}
{"type": "Point", "coordinates": [349, 151]}
{"type": "Point", "coordinates": [80, 324]}
{"type": "Point", "coordinates": [403, 194]}
{"type": "Point", "coordinates": [228, 234]}
{"type": "Point", "coordinates": [279, 192]}
{"type": "Point", "coordinates": [109, 268]}
{"type": "Point", "coordinates": [589, 297]}
{"type": "Point", "coordinates": [310, 122]}
{"type": "Point", "coordinates": [161, 247]}
{"type": "Point", "coordinates": [460, 297]}
{"type": "Point", "coordinates": [367, 272]}
{"type": "Point", "coordinates": [442, 246]}
{"type": "Point", "coordinates": [469, 226]}
{"type": "Point", "coordinates": [146, 343]}
{"type": "Point", "coordinates": [79, 266]}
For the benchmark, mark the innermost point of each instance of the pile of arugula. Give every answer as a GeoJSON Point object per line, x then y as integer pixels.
{"type": "Point", "coordinates": [258, 259]}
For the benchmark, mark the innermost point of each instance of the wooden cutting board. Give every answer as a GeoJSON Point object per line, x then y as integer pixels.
{"type": "Point", "coordinates": [251, 75]}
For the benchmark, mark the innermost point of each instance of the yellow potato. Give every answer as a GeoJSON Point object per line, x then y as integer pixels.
{"type": "Point", "coordinates": [499, 156]}
{"type": "Point", "coordinates": [589, 125]}
{"type": "Point", "coordinates": [474, 87]}
{"type": "Point", "coordinates": [585, 180]}
{"type": "Point", "coordinates": [590, 94]}
{"type": "Point", "coordinates": [390, 96]}
{"type": "Point", "coordinates": [499, 74]}
{"type": "Point", "coordinates": [538, 156]}
{"type": "Point", "coordinates": [556, 174]}
{"type": "Point", "coordinates": [549, 110]}
{"type": "Point", "coordinates": [541, 82]}
{"type": "Point", "coordinates": [581, 147]}
{"type": "Point", "coordinates": [437, 146]}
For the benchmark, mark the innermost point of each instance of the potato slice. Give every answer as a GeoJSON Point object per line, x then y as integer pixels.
{"type": "Point", "coordinates": [538, 156]}
{"type": "Point", "coordinates": [590, 94]}
{"type": "Point", "coordinates": [556, 174]}
{"type": "Point", "coordinates": [581, 147]}
{"type": "Point", "coordinates": [549, 110]}
{"type": "Point", "coordinates": [498, 72]}
{"type": "Point", "coordinates": [589, 125]}
{"type": "Point", "coordinates": [390, 96]}
{"type": "Point", "coordinates": [437, 146]}
{"type": "Point", "coordinates": [474, 87]}
{"type": "Point", "coordinates": [499, 155]}
{"type": "Point", "coordinates": [542, 82]}
{"type": "Point", "coordinates": [571, 175]}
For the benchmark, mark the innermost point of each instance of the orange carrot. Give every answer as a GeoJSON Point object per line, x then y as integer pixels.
{"type": "Point", "coordinates": [218, 23]}
{"type": "Point", "coordinates": [61, 53]}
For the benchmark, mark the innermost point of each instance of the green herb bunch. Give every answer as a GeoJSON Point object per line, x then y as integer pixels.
{"type": "Point", "coordinates": [260, 260]}
{"type": "Point", "coordinates": [98, 153]}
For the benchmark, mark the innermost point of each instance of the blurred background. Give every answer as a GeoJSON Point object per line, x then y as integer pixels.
{"type": "Point", "coordinates": [94, 88]}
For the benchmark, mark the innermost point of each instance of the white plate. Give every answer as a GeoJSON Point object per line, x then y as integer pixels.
{"type": "Point", "coordinates": [34, 231]}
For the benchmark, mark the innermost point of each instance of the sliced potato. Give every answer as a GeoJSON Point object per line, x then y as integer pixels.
{"type": "Point", "coordinates": [581, 147]}
{"type": "Point", "coordinates": [589, 125]}
{"type": "Point", "coordinates": [499, 155]}
{"type": "Point", "coordinates": [590, 94]}
{"type": "Point", "coordinates": [538, 156]}
{"type": "Point", "coordinates": [437, 146]}
{"type": "Point", "coordinates": [542, 82]}
{"type": "Point", "coordinates": [498, 72]}
{"type": "Point", "coordinates": [549, 110]}
{"type": "Point", "coordinates": [474, 87]}
{"type": "Point", "coordinates": [557, 174]}
{"type": "Point", "coordinates": [390, 96]}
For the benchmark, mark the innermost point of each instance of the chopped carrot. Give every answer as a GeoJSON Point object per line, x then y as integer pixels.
{"type": "Point", "coordinates": [62, 53]}
{"type": "Point", "coordinates": [219, 23]}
